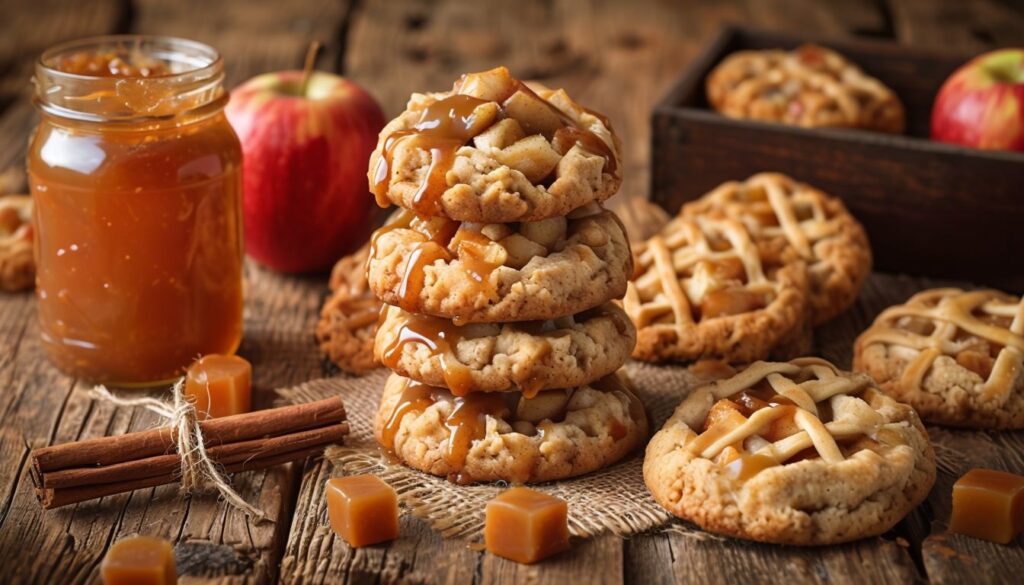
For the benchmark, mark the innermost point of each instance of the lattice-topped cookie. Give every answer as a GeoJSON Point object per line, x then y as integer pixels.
{"type": "Point", "coordinates": [819, 228]}
{"type": "Point", "coordinates": [17, 266]}
{"type": "Point", "coordinates": [809, 86]}
{"type": "Point", "coordinates": [496, 150]}
{"type": "Point", "coordinates": [704, 288]}
{"type": "Point", "coordinates": [348, 319]}
{"type": "Point", "coordinates": [794, 452]}
{"type": "Point", "coordinates": [956, 356]}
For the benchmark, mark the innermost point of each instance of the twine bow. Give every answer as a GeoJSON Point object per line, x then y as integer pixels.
{"type": "Point", "coordinates": [198, 471]}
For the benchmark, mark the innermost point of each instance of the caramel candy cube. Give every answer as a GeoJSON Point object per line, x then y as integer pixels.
{"type": "Point", "coordinates": [363, 509]}
{"type": "Point", "coordinates": [526, 525]}
{"type": "Point", "coordinates": [220, 385]}
{"type": "Point", "coordinates": [139, 560]}
{"type": "Point", "coordinates": [988, 504]}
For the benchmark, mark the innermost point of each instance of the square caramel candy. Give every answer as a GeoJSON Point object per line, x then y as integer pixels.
{"type": "Point", "coordinates": [363, 509]}
{"type": "Point", "coordinates": [988, 504]}
{"type": "Point", "coordinates": [220, 385]}
{"type": "Point", "coordinates": [526, 525]}
{"type": "Point", "coordinates": [139, 560]}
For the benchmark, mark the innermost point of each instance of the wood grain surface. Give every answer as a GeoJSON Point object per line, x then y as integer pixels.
{"type": "Point", "coordinates": [616, 57]}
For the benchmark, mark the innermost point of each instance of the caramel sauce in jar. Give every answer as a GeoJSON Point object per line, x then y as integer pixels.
{"type": "Point", "coordinates": [135, 174]}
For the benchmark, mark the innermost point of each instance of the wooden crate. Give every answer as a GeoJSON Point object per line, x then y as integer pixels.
{"type": "Point", "coordinates": [929, 208]}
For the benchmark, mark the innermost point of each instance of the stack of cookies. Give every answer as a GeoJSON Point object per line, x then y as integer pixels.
{"type": "Point", "coordinates": [499, 276]}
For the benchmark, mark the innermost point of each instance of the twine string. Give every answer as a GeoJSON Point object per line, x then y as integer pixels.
{"type": "Point", "coordinates": [198, 471]}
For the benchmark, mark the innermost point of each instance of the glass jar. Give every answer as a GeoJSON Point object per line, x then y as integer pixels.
{"type": "Point", "coordinates": [136, 178]}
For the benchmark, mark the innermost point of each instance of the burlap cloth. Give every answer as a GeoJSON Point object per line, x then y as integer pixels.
{"type": "Point", "coordinates": [613, 499]}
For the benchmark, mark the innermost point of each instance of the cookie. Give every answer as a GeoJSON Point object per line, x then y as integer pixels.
{"type": "Point", "coordinates": [810, 86]}
{"type": "Point", "coordinates": [502, 436]}
{"type": "Point", "coordinates": [490, 357]}
{"type": "Point", "coordinates": [793, 453]}
{"type": "Point", "coordinates": [495, 150]}
{"type": "Point", "coordinates": [528, 271]}
{"type": "Point", "coordinates": [956, 356]}
{"type": "Point", "coordinates": [17, 265]}
{"type": "Point", "coordinates": [348, 318]}
{"type": "Point", "coordinates": [705, 289]}
{"type": "Point", "coordinates": [831, 242]}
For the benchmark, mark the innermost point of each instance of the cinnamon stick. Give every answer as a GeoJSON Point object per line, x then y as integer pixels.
{"type": "Point", "coordinates": [55, 498]}
{"type": "Point", "coordinates": [164, 465]}
{"type": "Point", "coordinates": [160, 441]}
{"type": "Point", "coordinates": [73, 472]}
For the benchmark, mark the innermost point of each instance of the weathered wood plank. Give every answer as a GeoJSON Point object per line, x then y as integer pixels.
{"type": "Point", "coordinates": [252, 37]}
{"type": "Point", "coordinates": [315, 555]}
{"type": "Point", "coordinates": [958, 26]}
{"type": "Point", "coordinates": [28, 28]}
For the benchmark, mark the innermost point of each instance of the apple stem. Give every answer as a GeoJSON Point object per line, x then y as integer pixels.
{"type": "Point", "coordinates": [307, 69]}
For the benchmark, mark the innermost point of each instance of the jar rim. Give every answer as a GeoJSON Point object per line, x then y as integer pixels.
{"type": "Point", "coordinates": [194, 84]}
{"type": "Point", "coordinates": [169, 43]}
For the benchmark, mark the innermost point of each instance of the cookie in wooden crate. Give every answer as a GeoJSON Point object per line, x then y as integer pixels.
{"type": "Point", "coordinates": [809, 86]}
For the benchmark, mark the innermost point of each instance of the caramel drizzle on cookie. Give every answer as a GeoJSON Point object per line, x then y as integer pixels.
{"type": "Point", "coordinates": [448, 124]}
{"type": "Point", "coordinates": [442, 240]}
{"type": "Point", "coordinates": [771, 414]}
{"type": "Point", "coordinates": [988, 315]}
{"type": "Point", "coordinates": [441, 336]}
{"type": "Point", "coordinates": [466, 421]}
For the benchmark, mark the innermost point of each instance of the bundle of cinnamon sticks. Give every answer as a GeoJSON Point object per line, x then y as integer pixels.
{"type": "Point", "coordinates": [74, 472]}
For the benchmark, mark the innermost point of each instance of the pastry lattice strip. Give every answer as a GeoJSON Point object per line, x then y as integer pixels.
{"type": "Point", "coordinates": [798, 208]}
{"type": "Point", "coordinates": [667, 257]}
{"type": "Point", "coordinates": [952, 311]}
{"type": "Point", "coordinates": [852, 416]}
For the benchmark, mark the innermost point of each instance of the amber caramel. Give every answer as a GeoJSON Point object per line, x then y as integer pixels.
{"type": "Point", "coordinates": [363, 509]}
{"type": "Point", "coordinates": [111, 64]}
{"type": "Point", "coordinates": [139, 560]}
{"type": "Point", "coordinates": [137, 213]}
{"type": "Point", "coordinates": [988, 504]}
{"type": "Point", "coordinates": [220, 385]}
{"type": "Point", "coordinates": [526, 526]}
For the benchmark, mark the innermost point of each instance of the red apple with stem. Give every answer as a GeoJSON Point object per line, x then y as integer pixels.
{"type": "Point", "coordinates": [306, 142]}
{"type": "Point", "coordinates": [982, 103]}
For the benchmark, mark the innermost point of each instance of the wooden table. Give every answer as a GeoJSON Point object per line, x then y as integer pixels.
{"type": "Point", "coordinates": [617, 57]}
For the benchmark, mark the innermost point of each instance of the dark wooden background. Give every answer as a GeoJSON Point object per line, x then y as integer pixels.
{"type": "Point", "coordinates": [618, 57]}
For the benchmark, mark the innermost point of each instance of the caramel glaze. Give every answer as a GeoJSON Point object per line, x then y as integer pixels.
{"type": "Point", "coordinates": [449, 124]}
{"type": "Point", "coordinates": [466, 422]}
{"type": "Point", "coordinates": [440, 337]}
{"type": "Point", "coordinates": [746, 465]}
{"type": "Point", "coordinates": [467, 419]}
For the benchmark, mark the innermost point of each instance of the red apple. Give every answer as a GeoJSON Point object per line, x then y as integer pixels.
{"type": "Point", "coordinates": [982, 103]}
{"type": "Point", "coordinates": [305, 153]}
